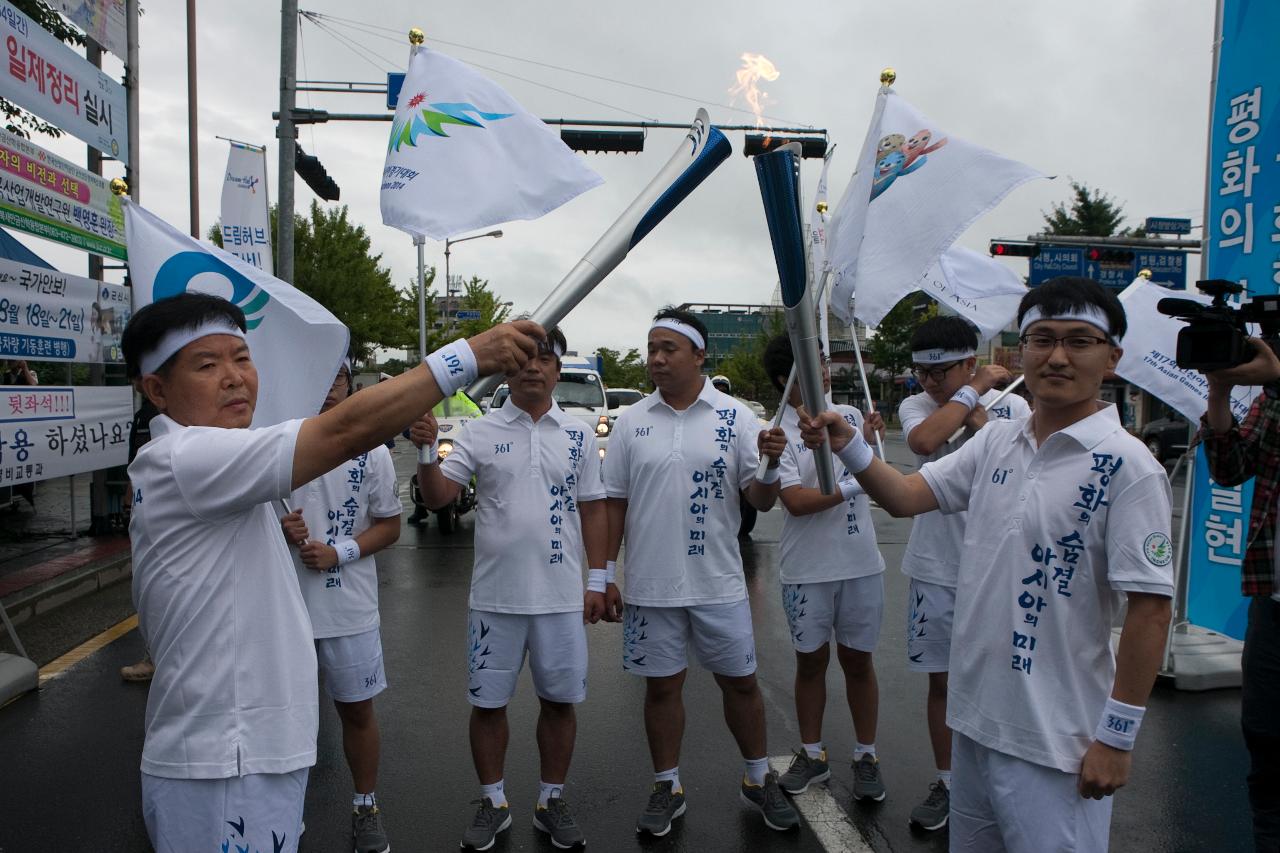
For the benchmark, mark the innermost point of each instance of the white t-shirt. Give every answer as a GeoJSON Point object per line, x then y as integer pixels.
{"type": "Point", "coordinates": [833, 545]}
{"type": "Point", "coordinates": [681, 473]}
{"type": "Point", "coordinates": [342, 504]}
{"type": "Point", "coordinates": [529, 480]}
{"type": "Point", "coordinates": [1056, 534]}
{"type": "Point", "coordinates": [218, 604]}
{"type": "Point", "coordinates": [933, 549]}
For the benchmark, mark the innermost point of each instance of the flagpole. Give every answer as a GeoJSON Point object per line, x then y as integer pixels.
{"type": "Point", "coordinates": [1009, 389]}
{"type": "Point", "coordinates": [424, 453]}
{"type": "Point", "coordinates": [866, 387]}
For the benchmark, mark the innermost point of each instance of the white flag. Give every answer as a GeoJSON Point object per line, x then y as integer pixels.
{"type": "Point", "coordinates": [297, 345]}
{"type": "Point", "coordinates": [818, 251]}
{"type": "Point", "coordinates": [915, 191]}
{"type": "Point", "coordinates": [1149, 347]}
{"type": "Point", "coordinates": [978, 288]}
{"type": "Point", "coordinates": [246, 209]}
{"type": "Point", "coordinates": [464, 155]}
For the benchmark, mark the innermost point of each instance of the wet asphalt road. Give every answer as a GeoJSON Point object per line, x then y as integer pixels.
{"type": "Point", "coordinates": [69, 755]}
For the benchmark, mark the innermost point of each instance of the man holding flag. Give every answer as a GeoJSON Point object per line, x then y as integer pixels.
{"type": "Point", "coordinates": [232, 713]}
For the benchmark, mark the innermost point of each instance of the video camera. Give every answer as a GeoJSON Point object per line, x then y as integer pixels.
{"type": "Point", "coordinates": [1215, 336]}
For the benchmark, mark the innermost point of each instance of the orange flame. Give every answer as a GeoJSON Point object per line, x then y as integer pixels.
{"type": "Point", "coordinates": [755, 67]}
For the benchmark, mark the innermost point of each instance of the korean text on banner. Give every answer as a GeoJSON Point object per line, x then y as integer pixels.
{"type": "Point", "coordinates": [296, 344]}
{"type": "Point", "coordinates": [62, 87]}
{"type": "Point", "coordinates": [52, 316]}
{"type": "Point", "coordinates": [102, 20]}
{"type": "Point", "coordinates": [1219, 530]}
{"type": "Point", "coordinates": [44, 195]}
{"type": "Point", "coordinates": [1243, 220]}
{"type": "Point", "coordinates": [246, 210]}
{"type": "Point", "coordinates": [48, 431]}
{"type": "Point", "coordinates": [463, 154]}
{"type": "Point", "coordinates": [915, 191]}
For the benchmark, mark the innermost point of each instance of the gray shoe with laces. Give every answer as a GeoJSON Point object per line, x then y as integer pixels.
{"type": "Point", "coordinates": [772, 804]}
{"type": "Point", "coordinates": [665, 805]}
{"type": "Point", "coordinates": [933, 812]}
{"type": "Point", "coordinates": [367, 832]}
{"type": "Point", "coordinates": [803, 772]}
{"type": "Point", "coordinates": [557, 822]}
{"type": "Point", "coordinates": [867, 784]}
{"type": "Point", "coordinates": [485, 826]}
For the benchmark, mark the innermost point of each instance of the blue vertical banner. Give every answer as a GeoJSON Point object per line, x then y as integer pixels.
{"type": "Point", "coordinates": [1241, 243]}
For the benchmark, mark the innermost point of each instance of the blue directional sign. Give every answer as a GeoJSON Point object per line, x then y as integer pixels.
{"type": "Point", "coordinates": [1166, 225]}
{"type": "Point", "coordinates": [395, 79]}
{"type": "Point", "coordinates": [1054, 261]}
{"type": "Point", "coordinates": [467, 315]}
{"type": "Point", "coordinates": [1168, 267]}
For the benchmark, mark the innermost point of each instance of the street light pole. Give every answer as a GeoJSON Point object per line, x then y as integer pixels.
{"type": "Point", "coordinates": [497, 232]}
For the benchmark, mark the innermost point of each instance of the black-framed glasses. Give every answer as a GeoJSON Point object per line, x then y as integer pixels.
{"type": "Point", "coordinates": [937, 374]}
{"type": "Point", "coordinates": [342, 380]}
{"type": "Point", "coordinates": [1070, 343]}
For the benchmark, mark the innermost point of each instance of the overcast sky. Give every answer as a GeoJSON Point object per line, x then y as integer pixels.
{"type": "Point", "coordinates": [1114, 94]}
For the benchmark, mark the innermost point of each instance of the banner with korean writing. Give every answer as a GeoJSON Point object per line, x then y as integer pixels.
{"type": "Point", "coordinates": [52, 316]}
{"type": "Point", "coordinates": [102, 20]}
{"type": "Point", "coordinates": [63, 88]}
{"type": "Point", "coordinates": [246, 210]}
{"type": "Point", "coordinates": [1219, 530]}
{"type": "Point", "coordinates": [44, 195]}
{"type": "Point", "coordinates": [53, 431]}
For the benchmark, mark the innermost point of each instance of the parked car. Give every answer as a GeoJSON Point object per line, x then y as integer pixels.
{"type": "Point", "coordinates": [621, 398]}
{"type": "Point", "coordinates": [1167, 438]}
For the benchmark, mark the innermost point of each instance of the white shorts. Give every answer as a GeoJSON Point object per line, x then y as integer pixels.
{"type": "Point", "coordinates": [930, 608]}
{"type": "Point", "coordinates": [261, 811]}
{"type": "Point", "coordinates": [655, 640]}
{"type": "Point", "coordinates": [351, 667]}
{"type": "Point", "coordinates": [557, 648]}
{"type": "Point", "coordinates": [1002, 804]}
{"type": "Point", "coordinates": [851, 608]}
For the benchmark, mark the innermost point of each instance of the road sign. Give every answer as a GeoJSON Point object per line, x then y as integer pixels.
{"type": "Point", "coordinates": [395, 79]}
{"type": "Point", "coordinates": [1054, 261]}
{"type": "Point", "coordinates": [1165, 225]}
{"type": "Point", "coordinates": [1168, 267]}
{"type": "Point", "coordinates": [467, 315]}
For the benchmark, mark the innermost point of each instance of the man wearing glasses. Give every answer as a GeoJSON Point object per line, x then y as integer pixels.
{"type": "Point", "coordinates": [956, 393]}
{"type": "Point", "coordinates": [1070, 515]}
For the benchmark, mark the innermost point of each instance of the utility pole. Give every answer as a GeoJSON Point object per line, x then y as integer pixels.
{"type": "Point", "coordinates": [286, 137]}
{"type": "Point", "coordinates": [193, 138]}
{"type": "Point", "coordinates": [132, 168]}
{"type": "Point", "coordinates": [98, 520]}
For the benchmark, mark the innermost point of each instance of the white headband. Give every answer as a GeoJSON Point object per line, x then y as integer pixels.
{"type": "Point", "coordinates": [346, 362]}
{"type": "Point", "coordinates": [682, 328]}
{"type": "Point", "coordinates": [551, 346]}
{"type": "Point", "coordinates": [1090, 314]}
{"type": "Point", "coordinates": [941, 356]}
{"type": "Point", "coordinates": [176, 339]}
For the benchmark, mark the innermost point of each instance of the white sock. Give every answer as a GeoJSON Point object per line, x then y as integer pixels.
{"type": "Point", "coordinates": [944, 776]}
{"type": "Point", "coordinates": [813, 750]}
{"type": "Point", "coordinates": [495, 793]}
{"type": "Point", "coordinates": [672, 776]}
{"type": "Point", "coordinates": [755, 769]}
{"type": "Point", "coordinates": [358, 800]}
{"type": "Point", "coordinates": [547, 790]}
{"type": "Point", "coordinates": [862, 749]}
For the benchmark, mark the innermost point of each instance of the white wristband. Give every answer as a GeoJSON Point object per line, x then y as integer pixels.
{"type": "Point", "coordinates": [1119, 725]}
{"type": "Point", "coordinates": [595, 580]}
{"type": "Point", "coordinates": [429, 454]}
{"type": "Point", "coordinates": [454, 366]}
{"type": "Point", "coordinates": [850, 489]}
{"type": "Point", "coordinates": [770, 475]}
{"type": "Point", "coordinates": [857, 454]}
{"type": "Point", "coordinates": [610, 571]}
{"type": "Point", "coordinates": [966, 396]}
{"type": "Point", "coordinates": [348, 551]}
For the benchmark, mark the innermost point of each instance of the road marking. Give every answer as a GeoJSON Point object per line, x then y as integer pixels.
{"type": "Point", "coordinates": [829, 822]}
{"type": "Point", "coordinates": [57, 667]}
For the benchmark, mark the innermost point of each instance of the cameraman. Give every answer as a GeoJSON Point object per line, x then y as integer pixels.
{"type": "Point", "coordinates": [1237, 452]}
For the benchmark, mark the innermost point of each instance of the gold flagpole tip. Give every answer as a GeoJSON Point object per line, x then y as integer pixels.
{"type": "Point", "coordinates": [417, 36]}
{"type": "Point", "coordinates": [888, 76]}
{"type": "Point", "coordinates": [119, 187]}
{"type": "Point", "coordinates": [822, 207]}
{"type": "Point", "coordinates": [1144, 273]}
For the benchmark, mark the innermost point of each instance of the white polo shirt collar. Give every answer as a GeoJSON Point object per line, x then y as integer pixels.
{"type": "Point", "coordinates": [1087, 432]}
{"type": "Point", "coordinates": [707, 394]}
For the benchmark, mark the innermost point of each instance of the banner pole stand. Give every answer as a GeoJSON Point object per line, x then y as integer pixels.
{"type": "Point", "coordinates": [18, 674]}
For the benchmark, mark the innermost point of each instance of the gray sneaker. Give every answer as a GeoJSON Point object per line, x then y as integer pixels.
{"type": "Point", "coordinates": [867, 784]}
{"type": "Point", "coordinates": [665, 805]}
{"type": "Point", "coordinates": [557, 822]}
{"type": "Point", "coordinates": [485, 826]}
{"type": "Point", "coordinates": [769, 800]}
{"type": "Point", "coordinates": [367, 832]}
{"type": "Point", "coordinates": [936, 808]}
{"type": "Point", "coordinates": [803, 772]}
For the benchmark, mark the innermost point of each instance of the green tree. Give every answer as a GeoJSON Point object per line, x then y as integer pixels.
{"type": "Point", "coordinates": [1088, 213]}
{"type": "Point", "coordinates": [890, 348]}
{"type": "Point", "coordinates": [623, 371]}
{"type": "Point", "coordinates": [17, 120]}
{"type": "Point", "coordinates": [478, 296]}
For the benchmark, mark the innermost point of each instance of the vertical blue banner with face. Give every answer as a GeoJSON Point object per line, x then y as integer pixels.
{"type": "Point", "coordinates": [1241, 243]}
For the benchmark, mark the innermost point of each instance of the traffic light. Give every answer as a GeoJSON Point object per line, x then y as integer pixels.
{"type": "Point", "coordinates": [604, 141]}
{"type": "Point", "coordinates": [310, 170]}
{"type": "Point", "coordinates": [1001, 249]}
{"type": "Point", "coordinates": [810, 146]}
{"type": "Point", "coordinates": [1104, 255]}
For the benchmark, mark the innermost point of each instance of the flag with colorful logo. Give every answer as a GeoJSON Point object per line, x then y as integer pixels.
{"type": "Point", "coordinates": [297, 345]}
{"type": "Point", "coordinates": [464, 155]}
{"type": "Point", "coordinates": [916, 189]}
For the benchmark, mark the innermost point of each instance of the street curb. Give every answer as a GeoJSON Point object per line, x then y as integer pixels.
{"type": "Point", "coordinates": [67, 587]}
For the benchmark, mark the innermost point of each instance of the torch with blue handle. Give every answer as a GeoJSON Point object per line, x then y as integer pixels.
{"type": "Point", "coordinates": [779, 175]}
{"type": "Point", "coordinates": [700, 152]}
